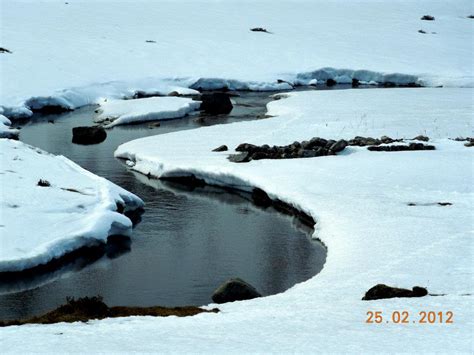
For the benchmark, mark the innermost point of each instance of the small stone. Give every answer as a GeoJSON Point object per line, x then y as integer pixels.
{"type": "Point", "coordinates": [421, 138]}
{"type": "Point", "coordinates": [222, 148]}
{"type": "Point", "coordinates": [246, 147]}
{"type": "Point", "coordinates": [43, 183]}
{"type": "Point", "coordinates": [339, 146]}
{"type": "Point", "coordinates": [240, 158]}
{"type": "Point", "coordinates": [428, 18]}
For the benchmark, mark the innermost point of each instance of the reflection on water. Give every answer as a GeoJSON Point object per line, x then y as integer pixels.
{"type": "Point", "coordinates": [187, 243]}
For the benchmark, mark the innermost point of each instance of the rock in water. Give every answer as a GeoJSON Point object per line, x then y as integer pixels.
{"type": "Point", "coordinates": [234, 290]}
{"type": "Point", "coordinates": [216, 103]}
{"type": "Point", "coordinates": [382, 291]}
{"type": "Point", "coordinates": [88, 135]}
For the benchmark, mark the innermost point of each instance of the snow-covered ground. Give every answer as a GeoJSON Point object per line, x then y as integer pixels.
{"type": "Point", "coordinates": [39, 223]}
{"type": "Point", "coordinates": [85, 50]}
{"type": "Point", "coordinates": [118, 112]}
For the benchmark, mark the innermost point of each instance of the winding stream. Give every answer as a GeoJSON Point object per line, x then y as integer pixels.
{"type": "Point", "coordinates": [188, 242]}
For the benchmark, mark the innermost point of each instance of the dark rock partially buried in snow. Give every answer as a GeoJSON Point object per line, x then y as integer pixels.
{"type": "Point", "coordinates": [234, 290]}
{"type": "Point", "coordinates": [382, 291]}
{"type": "Point", "coordinates": [222, 148]}
{"type": "Point", "coordinates": [428, 18]}
{"type": "Point", "coordinates": [88, 135]}
{"type": "Point", "coordinates": [216, 103]}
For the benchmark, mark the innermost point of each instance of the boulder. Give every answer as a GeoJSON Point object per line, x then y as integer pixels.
{"type": "Point", "coordinates": [234, 290]}
{"type": "Point", "coordinates": [216, 103]}
{"type": "Point", "coordinates": [88, 135]}
{"type": "Point", "coordinates": [382, 291]}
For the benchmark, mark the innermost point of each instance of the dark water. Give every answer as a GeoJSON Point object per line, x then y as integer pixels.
{"type": "Point", "coordinates": [187, 243]}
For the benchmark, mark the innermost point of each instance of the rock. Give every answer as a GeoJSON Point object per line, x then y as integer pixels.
{"type": "Point", "coordinates": [216, 103]}
{"type": "Point", "coordinates": [428, 18]}
{"type": "Point", "coordinates": [339, 146]}
{"type": "Point", "coordinates": [246, 147]}
{"type": "Point", "coordinates": [421, 138]}
{"type": "Point", "coordinates": [382, 291]}
{"type": "Point", "coordinates": [317, 142]}
{"type": "Point", "coordinates": [261, 198]}
{"type": "Point", "coordinates": [329, 143]}
{"type": "Point", "coordinates": [259, 29]}
{"type": "Point", "coordinates": [234, 290]}
{"type": "Point", "coordinates": [4, 50]}
{"type": "Point", "coordinates": [222, 148]}
{"type": "Point", "coordinates": [355, 83]}
{"type": "Point", "coordinates": [174, 93]}
{"type": "Point", "coordinates": [421, 31]}
{"type": "Point", "coordinates": [43, 183]}
{"type": "Point", "coordinates": [240, 158]}
{"type": "Point", "coordinates": [386, 140]}
{"type": "Point", "coordinates": [88, 135]}
{"type": "Point", "coordinates": [330, 82]}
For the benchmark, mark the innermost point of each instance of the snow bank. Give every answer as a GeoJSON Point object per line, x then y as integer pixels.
{"type": "Point", "coordinates": [117, 112]}
{"type": "Point", "coordinates": [5, 130]}
{"type": "Point", "coordinates": [360, 201]}
{"type": "Point", "coordinates": [39, 223]}
{"type": "Point", "coordinates": [371, 40]}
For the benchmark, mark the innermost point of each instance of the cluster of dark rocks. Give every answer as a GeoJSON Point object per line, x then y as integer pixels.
{"type": "Point", "coordinates": [315, 147]}
{"type": "Point", "coordinates": [382, 291]}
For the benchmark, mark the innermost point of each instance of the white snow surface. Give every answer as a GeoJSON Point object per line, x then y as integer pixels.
{"type": "Point", "coordinates": [39, 223]}
{"type": "Point", "coordinates": [118, 112]}
{"type": "Point", "coordinates": [5, 130]}
{"type": "Point", "coordinates": [84, 51]}
{"type": "Point", "coordinates": [359, 200]}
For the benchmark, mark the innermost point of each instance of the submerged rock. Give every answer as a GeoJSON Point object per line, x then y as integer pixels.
{"type": "Point", "coordinates": [382, 291]}
{"type": "Point", "coordinates": [216, 103]}
{"type": "Point", "coordinates": [88, 135]}
{"type": "Point", "coordinates": [234, 290]}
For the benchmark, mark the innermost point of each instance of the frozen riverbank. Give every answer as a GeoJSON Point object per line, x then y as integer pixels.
{"type": "Point", "coordinates": [51, 207]}
{"type": "Point", "coordinates": [392, 242]}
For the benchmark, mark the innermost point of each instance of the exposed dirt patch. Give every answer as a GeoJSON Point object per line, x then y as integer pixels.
{"type": "Point", "coordinates": [87, 308]}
